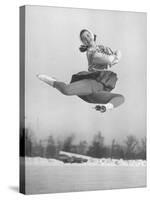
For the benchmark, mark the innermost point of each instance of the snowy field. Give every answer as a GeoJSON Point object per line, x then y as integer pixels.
{"type": "Point", "coordinates": [50, 176]}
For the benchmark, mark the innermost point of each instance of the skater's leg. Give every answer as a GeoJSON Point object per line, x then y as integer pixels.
{"type": "Point", "coordinates": [79, 88]}
{"type": "Point", "coordinates": [117, 100]}
{"type": "Point", "coordinates": [109, 98]}
{"type": "Point", "coordinates": [83, 87]}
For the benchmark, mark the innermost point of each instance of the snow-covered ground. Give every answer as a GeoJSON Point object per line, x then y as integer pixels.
{"type": "Point", "coordinates": [44, 175]}
{"type": "Point", "coordinates": [50, 175]}
{"type": "Point", "coordinates": [91, 162]}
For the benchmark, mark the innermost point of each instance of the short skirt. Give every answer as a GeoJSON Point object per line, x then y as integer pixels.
{"type": "Point", "coordinates": [107, 78]}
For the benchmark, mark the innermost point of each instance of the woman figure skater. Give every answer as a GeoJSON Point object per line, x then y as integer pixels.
{"type": "Point", "coordinates": [95, 85]}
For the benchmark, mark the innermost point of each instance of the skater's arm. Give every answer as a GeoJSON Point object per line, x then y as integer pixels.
{"type": "Point", "coordinates": [105, 59]}
{"type": "Point", "coordinates": [106, 50]}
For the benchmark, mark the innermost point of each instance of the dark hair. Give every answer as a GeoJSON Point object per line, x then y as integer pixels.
{"type": "Point", "coordinates": [84, 48]}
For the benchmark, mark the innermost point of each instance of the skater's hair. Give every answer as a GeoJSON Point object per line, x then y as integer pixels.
{"type": "Point", "coordinates": [84, 48]}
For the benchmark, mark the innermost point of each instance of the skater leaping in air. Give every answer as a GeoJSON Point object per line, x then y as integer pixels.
{"type": "Point", "coordinates": [95, 85]}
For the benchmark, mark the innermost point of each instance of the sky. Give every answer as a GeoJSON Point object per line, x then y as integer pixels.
{"type": "Point", "coordinates": [52, 47]}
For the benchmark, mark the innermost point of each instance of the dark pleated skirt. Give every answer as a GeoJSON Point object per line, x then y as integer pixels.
{"type": "Point", "coordinates": [107, 78]}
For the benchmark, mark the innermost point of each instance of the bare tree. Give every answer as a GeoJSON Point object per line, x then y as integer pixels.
{"type": "Point", "coordinates": [29, 144]}
{"type": "Point", "coordinates": [68, 143]}
{"type": "Point", "coordinates": [51, 148]}
{"type": "Point", "coordinates": [130, 143]}
{"type": "Point", "coordinates": [97, 148]}
{"type": "Point", "coordinates": [142, 149]}
{"type": "Point", "coordinates": [82, 147]}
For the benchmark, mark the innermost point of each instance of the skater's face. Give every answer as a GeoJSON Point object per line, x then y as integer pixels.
{"type": "Point", "coordinates": [87, 38]}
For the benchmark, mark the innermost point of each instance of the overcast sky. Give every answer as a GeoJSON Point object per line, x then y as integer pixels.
{"type": "Point", "coordinates": [52, 42]}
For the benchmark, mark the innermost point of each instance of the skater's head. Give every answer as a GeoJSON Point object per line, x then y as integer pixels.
{"type": "Point", "coordinates": [87, 38]}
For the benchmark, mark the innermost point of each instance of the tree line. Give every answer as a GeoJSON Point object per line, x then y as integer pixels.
{"type": "Point", "coordinates": [130, 148]}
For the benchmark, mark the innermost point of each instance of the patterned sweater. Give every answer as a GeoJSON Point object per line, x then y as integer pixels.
{"type": "Point", "coordinates": [101, 58]}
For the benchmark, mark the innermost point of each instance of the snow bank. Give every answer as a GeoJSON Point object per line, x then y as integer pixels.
{"type": "Point", "coordinates": [91, 162]}
{"type": "Point", "coordinates": [42, 161]}
{"type": "Point", "coordinates": [116, 162]}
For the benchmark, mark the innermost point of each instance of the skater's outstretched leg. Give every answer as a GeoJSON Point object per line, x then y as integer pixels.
{"type": "Point", "coordinates": [83, 87]}
{"type": "Point", "coordinates": [107, 100]}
